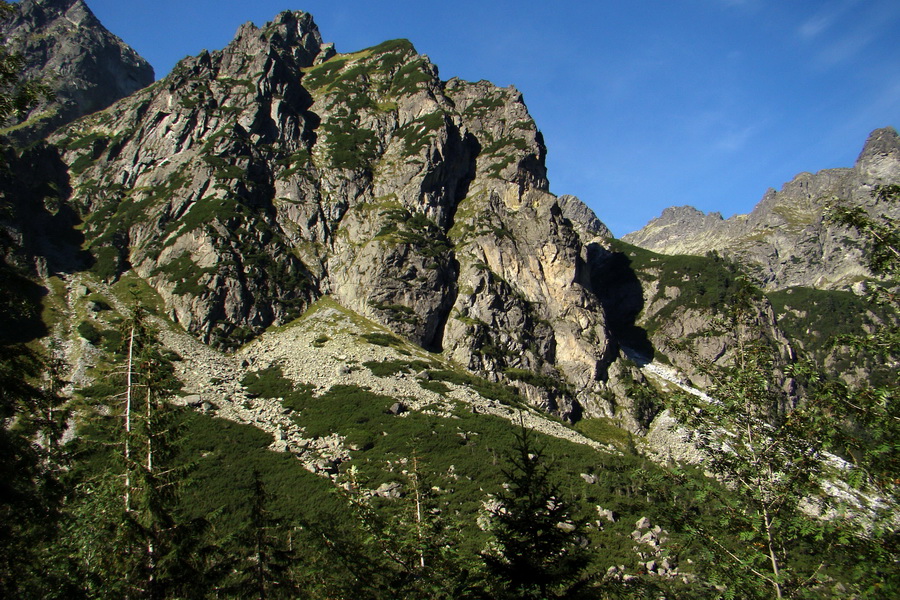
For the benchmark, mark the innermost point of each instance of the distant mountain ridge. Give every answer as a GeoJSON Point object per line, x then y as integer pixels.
{"type": "Point", "coordinates": [785, 241]}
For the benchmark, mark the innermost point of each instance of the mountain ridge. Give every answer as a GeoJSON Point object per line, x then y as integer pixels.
{"type": "Point", "coordinates": [785, 240]}
{"type": "Point", "coordinates": [254, 180]}
{"type": "Point", "coordinates": [343, 273]}
{"type": "Point", "coordinates": [425, 206]}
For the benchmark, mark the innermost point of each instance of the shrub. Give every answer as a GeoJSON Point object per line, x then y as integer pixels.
{"type": "Point", "coordinates": [382, 339]}
{"type": "Point", "coordinates": [87, 330]}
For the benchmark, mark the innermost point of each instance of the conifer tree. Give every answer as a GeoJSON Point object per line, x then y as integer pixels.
{"type": "Point", "coordinates": [32, 420]}
{"type": "Point", "coordinates": [535, 552]}
{"type": "Point", "coordinates": [150, 550]}
{"type": "Point", "coordinates": [265, 567]}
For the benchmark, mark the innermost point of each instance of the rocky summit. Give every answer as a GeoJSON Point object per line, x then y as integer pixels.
{"type": "Point", "coordinates": [255, 179]}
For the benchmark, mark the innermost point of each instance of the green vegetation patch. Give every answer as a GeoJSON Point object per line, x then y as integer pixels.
{"type": "Point", "coordinates": [226, 454]}
{"type": "Point", "coordinates": [503, 153]}
{"type": "Point", "coordinates": [378, 338]}
{"type": "Point", "coordinates": [362, 72]}
{"type": "Point", "coordinates": [294, 163]}
{"type": "Point", "coordinates": [499, 392]}
{"type": "Point", "coordinates": [107, 262]}
{"type": "Point", "coordinates": [482, 106]}
{"type": "Point", "coordinates": [438, 387]}
{"type": "Point", "coordinates": [271, 383]}
{"type": "Point", "coordinates": [398, 46]}
{"type": "Point", "coordinates": [389, 368]}
{"type": "Point", "coordinates": [403, 227]}
{"type": "Point", "coordinates": [606, 431]}
{"type": "Point", "coordinates": [325, 74]}
{"type": "Point", "coordinates": [349, 145]}
{"type": "Point", "coordinates": [817, 316]}
{"type": "Point", "coordinates": [205, 211]}
{"type": "Point", "coordinates": [502, 145]}
{"type": "Point", "coordinates": [87, 331]}
{"type": "Point", "coordinates": [536, 379]}
{"type": "Point", "coordinates": [705, 282]}
{"type": "Point", "coordinates": [397, 312]}
{"type": "Point", "coordinates": [185, 272]}
{"type": "Point", "coordinates": [418, 133]}
{"type": "Point", "coordinates": [132, 289]}
{"type": "Point", "coordinates": [223, 169]}
{"type": "Point", "coordinates": [817, 319]}
{"type": "Point", "coordinates": [125, 208]}
{"type": "Point", "coordinates": [409, 76]}
{"type": "Point", "coordinates": [464, 454]}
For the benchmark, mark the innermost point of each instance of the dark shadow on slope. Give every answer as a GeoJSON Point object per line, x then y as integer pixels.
{"type": "Point", "coordinates": [39, 238]}
{"type": "Point", "coordinates": [469, 150]}
{"type": "Point", "coordinates": [616, 284]}
{"type": "Point", "coordinates": [20, 307]}
{"type": "Point", "coordinates": [40, 194]}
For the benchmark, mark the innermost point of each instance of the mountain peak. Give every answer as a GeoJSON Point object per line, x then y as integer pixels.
{"type": "Point", "coordinates": [881, 154]}
{"type": "Point", "coordinates": [784, 240]}
{"type": "Point", "coordinates": [65, 45]}
{"type": "Point", "coordinates": [294, 31]}
{"type": "Point", "coordinates": [42, 12]}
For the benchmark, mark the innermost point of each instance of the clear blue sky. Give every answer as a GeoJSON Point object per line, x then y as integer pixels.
{"type": "Point", "coordinates": [643, 104]}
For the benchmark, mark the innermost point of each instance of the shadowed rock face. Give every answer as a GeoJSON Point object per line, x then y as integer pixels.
{"type": "Point", "coordinates": [255, 179]}
{"type": "Point", "coordinates": [785, 241]}
{"type": "Point", "coordinates": [86, 66]}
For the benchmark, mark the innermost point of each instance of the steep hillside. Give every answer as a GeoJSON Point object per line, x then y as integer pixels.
{"type": "Point", "coordinates": [785, 240]}
{"type": "Point", "coordinates": [255, 179]}
{"type": "Point", "coordinates": [342, 279]}
{"type": "Point", "coordinates": [85, 66]}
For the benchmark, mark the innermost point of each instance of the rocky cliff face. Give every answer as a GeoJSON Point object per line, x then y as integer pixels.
{"type": "Point", "coordinates": [785, 240]}
{"type": "Point", "coordinates": [258, 178]}
{"type": "Point", "coordinates": [253, 181]}
{"type": "Point", "coordinates": [87, 67]}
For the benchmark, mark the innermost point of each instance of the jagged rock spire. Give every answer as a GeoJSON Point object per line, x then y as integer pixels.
{"type": "Point", "coordinates": [880, 156]}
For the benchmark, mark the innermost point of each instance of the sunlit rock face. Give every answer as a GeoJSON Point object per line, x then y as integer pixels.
{"type": "Point", "coordinates": [255, 179]}
{"type": "Point", "coordinates": [786, 240]}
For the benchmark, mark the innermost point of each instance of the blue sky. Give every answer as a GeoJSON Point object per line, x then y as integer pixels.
{"type": "Point", "coordinates": [643, 104]}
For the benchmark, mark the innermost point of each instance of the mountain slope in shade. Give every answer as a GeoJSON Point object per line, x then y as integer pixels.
{"type": "Point", "coordinates": [87, 67]}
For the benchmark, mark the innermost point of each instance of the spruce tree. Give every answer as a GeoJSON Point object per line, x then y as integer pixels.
{"type": "Point", "coordinates": [32, 420]}
{"type": "Point", "coordinates": [267, 555]}
{"type": "Point", "coordinates": [536, 552]}
{"type": "Point", "coordinates": [150, 550]}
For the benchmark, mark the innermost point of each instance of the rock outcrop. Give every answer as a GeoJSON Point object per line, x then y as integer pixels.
{"type": "Point", "coordinates": [255, 179]}
{"type": "Point", "coordinates": [786, 241]}
{"type": "Point", "coordinates": [65, 46]}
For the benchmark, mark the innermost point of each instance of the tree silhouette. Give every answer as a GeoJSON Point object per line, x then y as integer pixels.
{"type": "Point", "coordinates": [536, 551]}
